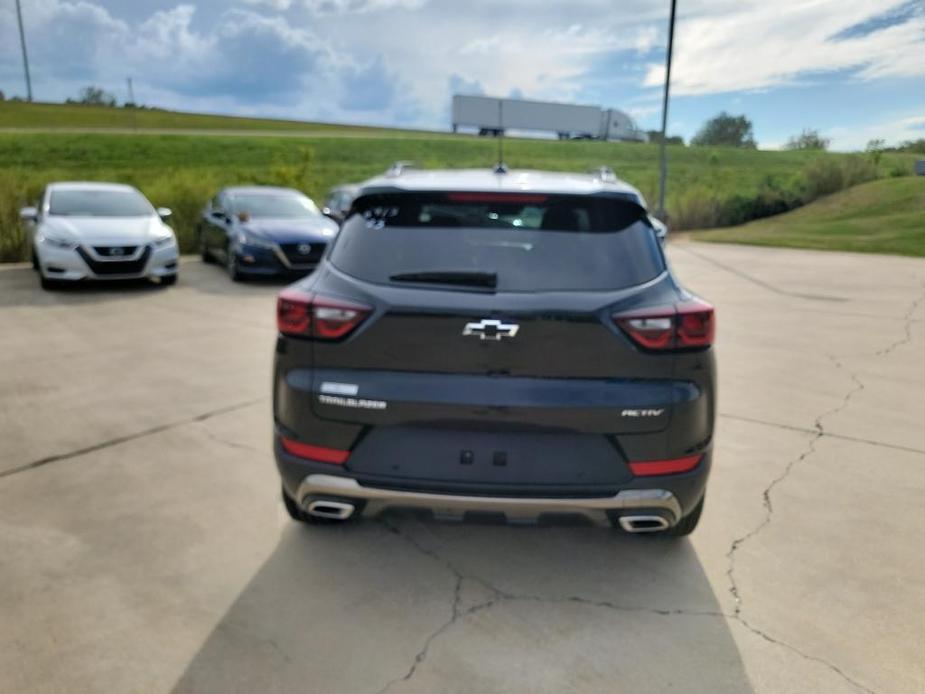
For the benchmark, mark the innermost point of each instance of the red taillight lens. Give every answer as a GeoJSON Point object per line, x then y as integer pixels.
{"type": "Point", "coordinates": [305, 315]}
{"type": "Point", "coordinates": [687, 325]}
{"type": "Point", "coordinates": [336, 319]}
{"type": "Point", "coordinates": [293, 312]}
{"type": "Point", "coordinates": [696, 324]}
{"type": "Point", "coordinates": [648, 468]}
{"type": "Point", "coordinates": [319, 453]}
{"type": "Point", "coordinates": [652, 329]}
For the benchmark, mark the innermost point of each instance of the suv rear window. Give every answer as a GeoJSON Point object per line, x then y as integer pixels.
{"type": "Point", "coordinates": [531, 242]}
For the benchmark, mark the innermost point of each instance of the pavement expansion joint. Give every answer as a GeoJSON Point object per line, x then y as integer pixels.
{"type": "Point", "coordinates": [109, 443]}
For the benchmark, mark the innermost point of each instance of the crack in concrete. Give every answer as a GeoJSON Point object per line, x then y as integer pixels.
{"type": "Point", "coordinates": [909, 320]}
{"type": "Point", "coordinates": [819, 432]}
{"type": "Point", "coordinates": [826, 434]}
{"type": "Point", "coordinates": [455, 613]}
{"type": "Point", "coordinates": [500, 596]}
{"type": "Point", "coordinates": [109, 443]}
{"type": "Point", "coordinates": [234, 444]}
{"type": "Point", "coordinates": [577, 599]}
{"type": "Point", "coordinates": [812, 658]}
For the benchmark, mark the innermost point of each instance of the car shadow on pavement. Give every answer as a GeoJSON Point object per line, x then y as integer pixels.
{"type": "Point", "coordinates": [403, 605]}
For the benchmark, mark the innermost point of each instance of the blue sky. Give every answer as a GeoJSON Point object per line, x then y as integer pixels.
{"type": "Point", "coordinates": [854, 69]}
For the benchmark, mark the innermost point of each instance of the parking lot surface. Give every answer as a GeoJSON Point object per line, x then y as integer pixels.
{"type": "Point", "coordinates": [143, 546]}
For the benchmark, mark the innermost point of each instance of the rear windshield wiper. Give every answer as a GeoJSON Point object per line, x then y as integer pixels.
{"type": "Point", "coordinates": [457, 277]}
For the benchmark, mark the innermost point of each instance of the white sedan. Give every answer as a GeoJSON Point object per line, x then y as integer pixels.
{"type": "Point", "coordinates": [100, 231]}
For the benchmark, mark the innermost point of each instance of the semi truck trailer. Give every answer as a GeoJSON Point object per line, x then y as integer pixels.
{"type": "Point", "coordinates": [494, 116]}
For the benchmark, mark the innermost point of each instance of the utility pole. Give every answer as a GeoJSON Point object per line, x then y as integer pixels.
{"type": "Point", "coordinates": [25, 55]}
{"type": "Point", "coordinates": [131, 105]}
{"type": "Point", "coordinates": [663, 175]}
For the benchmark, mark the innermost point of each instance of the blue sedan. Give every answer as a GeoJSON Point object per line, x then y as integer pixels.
{"type": "Point", "coordinates": [259, 231]}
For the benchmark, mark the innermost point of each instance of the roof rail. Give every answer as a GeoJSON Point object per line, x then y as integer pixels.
{"type": "Point", "coordinates": [399, 167]}
{"type": "Point", "coordinates": [603, 173]}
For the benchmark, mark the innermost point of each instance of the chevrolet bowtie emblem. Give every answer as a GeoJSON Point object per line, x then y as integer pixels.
{"type": "Point", "coordinates": [491, 329]}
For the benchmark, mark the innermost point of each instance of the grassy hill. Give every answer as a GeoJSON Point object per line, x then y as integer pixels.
{"type": "Point", "coordinates": [22, 115]}
{"type": "Point", "coordinates": [886, 216]}
{"type": "Point", "coordinates": [179, 160]}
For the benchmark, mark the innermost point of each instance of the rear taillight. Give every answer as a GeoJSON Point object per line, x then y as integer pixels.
{"type": "Point", "coordinates": [688, 325]}
{"type": "Point", "coordinates": [308, 315]}
{"type": "Point", "coordinates": [310, 452]}
{"type": "Point", "coordinates": [648, 468]}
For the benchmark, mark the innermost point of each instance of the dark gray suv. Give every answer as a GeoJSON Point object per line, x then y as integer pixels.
{"type": "Point", "coordinates": [510, 343]}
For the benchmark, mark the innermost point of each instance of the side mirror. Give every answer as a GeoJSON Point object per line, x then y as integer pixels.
{"type": "Point", "coordinates": [164, 213]}
{"type": "Point", "coordinates": [29, 214]}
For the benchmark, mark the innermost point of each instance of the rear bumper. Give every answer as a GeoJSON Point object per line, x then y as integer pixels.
{"type": "Point", "coordinates": [669, 496]}
{"type": "Point", "coordinates": [599, 510]}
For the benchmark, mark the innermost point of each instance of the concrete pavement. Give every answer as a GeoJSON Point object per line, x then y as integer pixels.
{"type": "Point", "coordinates": [143, 547]}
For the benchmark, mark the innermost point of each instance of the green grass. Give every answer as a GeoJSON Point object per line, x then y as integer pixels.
{"type": "Point", "coordinates": [15, 114]}
{"type": "Point", "coordinates": [183, 170]}
{"type": "Point", "coordinates": [885, 216]}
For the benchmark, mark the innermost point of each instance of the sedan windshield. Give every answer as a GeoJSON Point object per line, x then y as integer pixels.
{"type": "Point", "coordinates": [280, 206]}
{"type": "Point", "coordinates": [99, 203]}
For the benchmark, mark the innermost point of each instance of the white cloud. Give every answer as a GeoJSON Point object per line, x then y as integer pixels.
{"type": "Point", "coordinates": [646, 39]}
{"type": "Point", "coordinates": [390, 61]}
{"type": "Point", "coordinates": [894, 130]}
{"type": "Point", "coordinates": [278, 5]}
{"type": "Point", "coordinates": [754, 44]}
{"type": "Point", "coordinates": [357, 6]}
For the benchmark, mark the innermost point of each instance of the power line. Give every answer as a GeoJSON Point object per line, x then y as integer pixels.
{"type": "Point", "coordinates": [25, 55]}
{"type": "Point", "coordinates": [663, 175]}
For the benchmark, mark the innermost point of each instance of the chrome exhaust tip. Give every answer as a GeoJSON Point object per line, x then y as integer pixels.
{"type": "Point", "coordinates": [643, 524]}
{"type": "Point", "coordinates": [334, 510]}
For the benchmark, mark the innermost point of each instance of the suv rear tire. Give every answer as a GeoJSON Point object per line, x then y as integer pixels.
{"type": "Point", "coordinates": [294, 510]}
{"type": "Point", "coordinates": [687, 524]}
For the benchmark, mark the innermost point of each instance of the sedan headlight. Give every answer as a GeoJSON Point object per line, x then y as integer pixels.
{"type": "Point", "coordinates": [56, 242]}
{"type": "Point", "coordinates": [167, 240]}
{"type": "Point", "coordinates": [248, 238]}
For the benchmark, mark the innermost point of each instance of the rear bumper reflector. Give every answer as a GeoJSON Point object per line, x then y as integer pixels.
{"type": "Point", "coordinates": [648, 468]}
{"type": "Point", "coordinates": [319, 453]}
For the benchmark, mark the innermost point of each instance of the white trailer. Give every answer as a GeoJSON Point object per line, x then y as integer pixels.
{"type": "Point", "coordinates": [493, 116]}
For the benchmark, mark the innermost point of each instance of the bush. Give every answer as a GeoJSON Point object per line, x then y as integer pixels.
{"type": "Point", "coordinates": [185, 193]}
{"type": "Point", "coordinates": [695, 208]}
{"type": "Point", "coordinates": [14, 194]}
{"type": "Point", "coordinates": [859, 170]}
{"type": "Point", "coordinates": [825, 175]}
